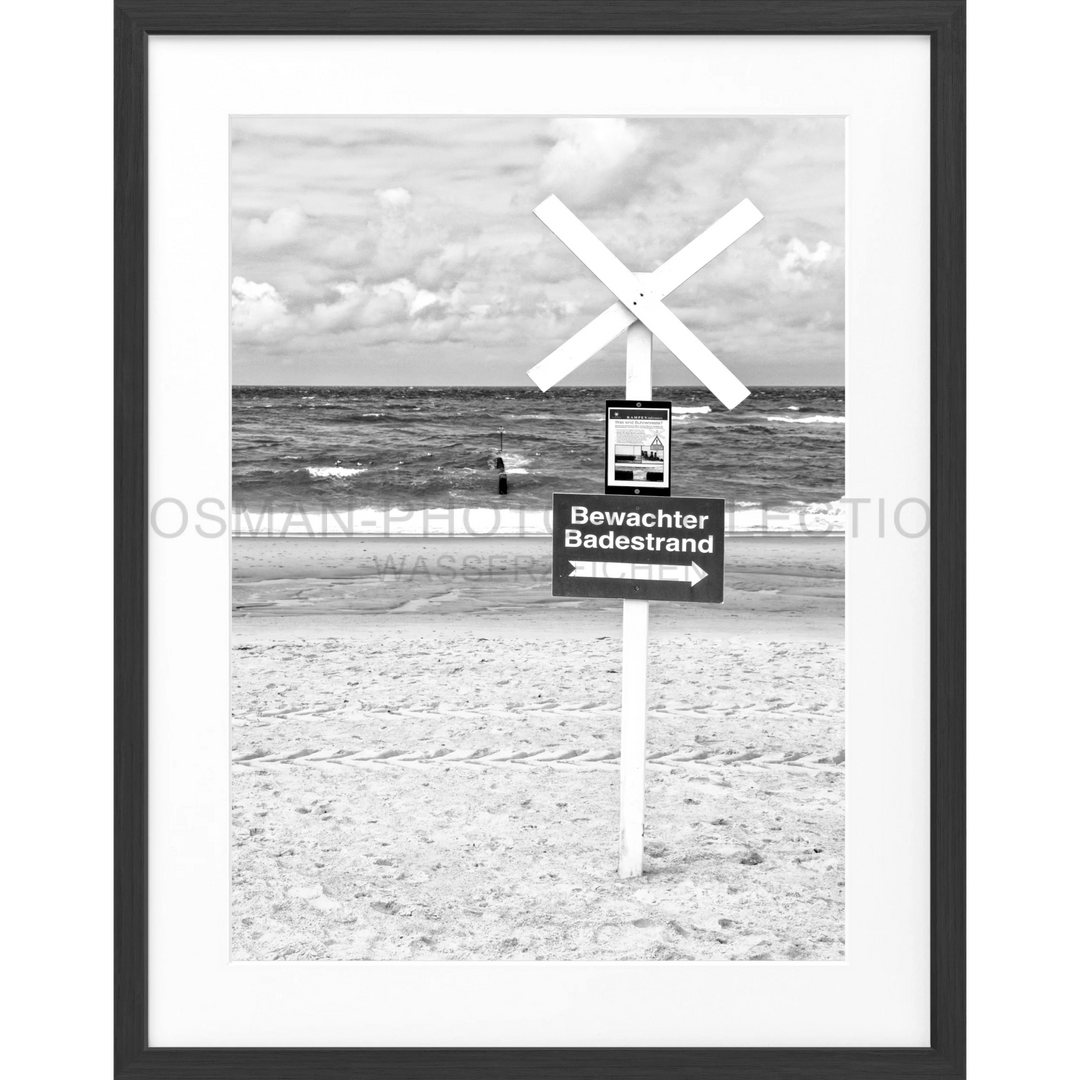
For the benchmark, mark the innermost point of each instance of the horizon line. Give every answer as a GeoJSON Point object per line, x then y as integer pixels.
{"type": "Point", "coordinates": [520, 386]}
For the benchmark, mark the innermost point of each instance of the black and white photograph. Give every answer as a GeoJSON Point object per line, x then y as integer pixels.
{"type": "Point", "coordinates": [434, 757]}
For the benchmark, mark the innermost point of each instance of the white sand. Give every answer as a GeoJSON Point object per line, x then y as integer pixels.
{"type": "Point", "coordinates": [426, 764]}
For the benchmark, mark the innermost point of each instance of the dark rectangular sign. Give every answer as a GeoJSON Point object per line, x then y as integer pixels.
{"type": "Point", "coordinates": [638, 548]}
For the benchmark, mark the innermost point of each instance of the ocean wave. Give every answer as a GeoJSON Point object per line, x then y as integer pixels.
{"type": "Point", "coordinates": [807, 419]}
{"type": "Point", "coordinates": [332, 472]}
{"type": "Point", "coordinates": [792, 517]}
{"type": "Point", "coordinates": [444, 455]}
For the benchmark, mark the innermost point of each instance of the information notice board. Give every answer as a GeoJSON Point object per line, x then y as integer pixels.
{"type": "Point", "coordinates": [638, 451]}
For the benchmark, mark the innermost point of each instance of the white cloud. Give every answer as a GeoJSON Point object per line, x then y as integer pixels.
{"type": "Point", "coordinates": [258, 310]}
{"type": "Point", "coordinates": [587, 162]}
{"type": "Point", "coordinates": [799, 264]}
{"type": "Point", "coordinates": [403, 286]}
{"type": "Point", "coordinates": [338, 314]}
{"type": "Point", "coordinates": [443, 266]}
{"type": "Point", "coordinates": [417, 299]}
{"type": "Point", "coordinates": [281, 227]}
{"type": "Point", "coordinates": [397, 198]}
{"type": "Point", "coordinates": [422, 300]}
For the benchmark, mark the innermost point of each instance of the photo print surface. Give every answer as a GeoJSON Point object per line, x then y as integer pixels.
{"type": "Point", "coordinates": [426, 741]}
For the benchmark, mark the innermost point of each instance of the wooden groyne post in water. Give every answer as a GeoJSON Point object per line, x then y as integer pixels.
{"type": "Point", "coordinates": [504, 485]}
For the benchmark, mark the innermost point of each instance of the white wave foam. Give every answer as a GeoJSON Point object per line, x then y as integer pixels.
{"type": "Point", "coordinates": [808, 419]}
{"type": "Point", "coordinates": [796, 517]}
{"type": "Point", "coordinates": [331, 472]}
{"type": "Point", "coordinates": [691, 409]}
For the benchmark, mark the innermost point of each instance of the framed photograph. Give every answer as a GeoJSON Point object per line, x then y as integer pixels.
{"type": "Point", "coordinates": [415, 772]}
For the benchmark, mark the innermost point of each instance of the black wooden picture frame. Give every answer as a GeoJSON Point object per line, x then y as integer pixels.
{"type": "Point", "coordinates": [943, 21]}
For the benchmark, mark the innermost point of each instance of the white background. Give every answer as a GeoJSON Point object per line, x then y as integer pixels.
{"type": "Point", "coordinates": [879, 996]}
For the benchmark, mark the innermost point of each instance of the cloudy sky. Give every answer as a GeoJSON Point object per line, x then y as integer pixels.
{"type": "Point", "coordinates": [405, 251]}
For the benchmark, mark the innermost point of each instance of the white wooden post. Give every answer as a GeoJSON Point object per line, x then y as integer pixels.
{"type": "Point", "coordinates": [641, 312]}
{"type": "Point", "coordinates": [635, 678]}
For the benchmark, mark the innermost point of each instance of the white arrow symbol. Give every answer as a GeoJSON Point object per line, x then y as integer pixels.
{"type": "Point", "coordinates": [640, 297]}
{"type": "Point", "coordinates": [625, 571]}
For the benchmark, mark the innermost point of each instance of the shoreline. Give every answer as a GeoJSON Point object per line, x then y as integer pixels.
{"type": "Point", "coordinates": [746, 534]}
{"type": "Point", "coordinates": [775, 587]}
{"type": "Point", "coordinates": [321, 521]}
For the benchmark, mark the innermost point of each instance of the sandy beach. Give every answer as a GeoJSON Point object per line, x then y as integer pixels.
{"type": "Point", "coordinates": [425, 757]}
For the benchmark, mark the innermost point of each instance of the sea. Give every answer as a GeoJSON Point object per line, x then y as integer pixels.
{"type": "Point", "coordinates": [331, 460]}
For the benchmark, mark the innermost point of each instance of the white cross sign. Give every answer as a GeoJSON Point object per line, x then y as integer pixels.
{"type": "Point", "coordinates": [639, 311]}
{"type": "Point", "coordinates": [640, 298]}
